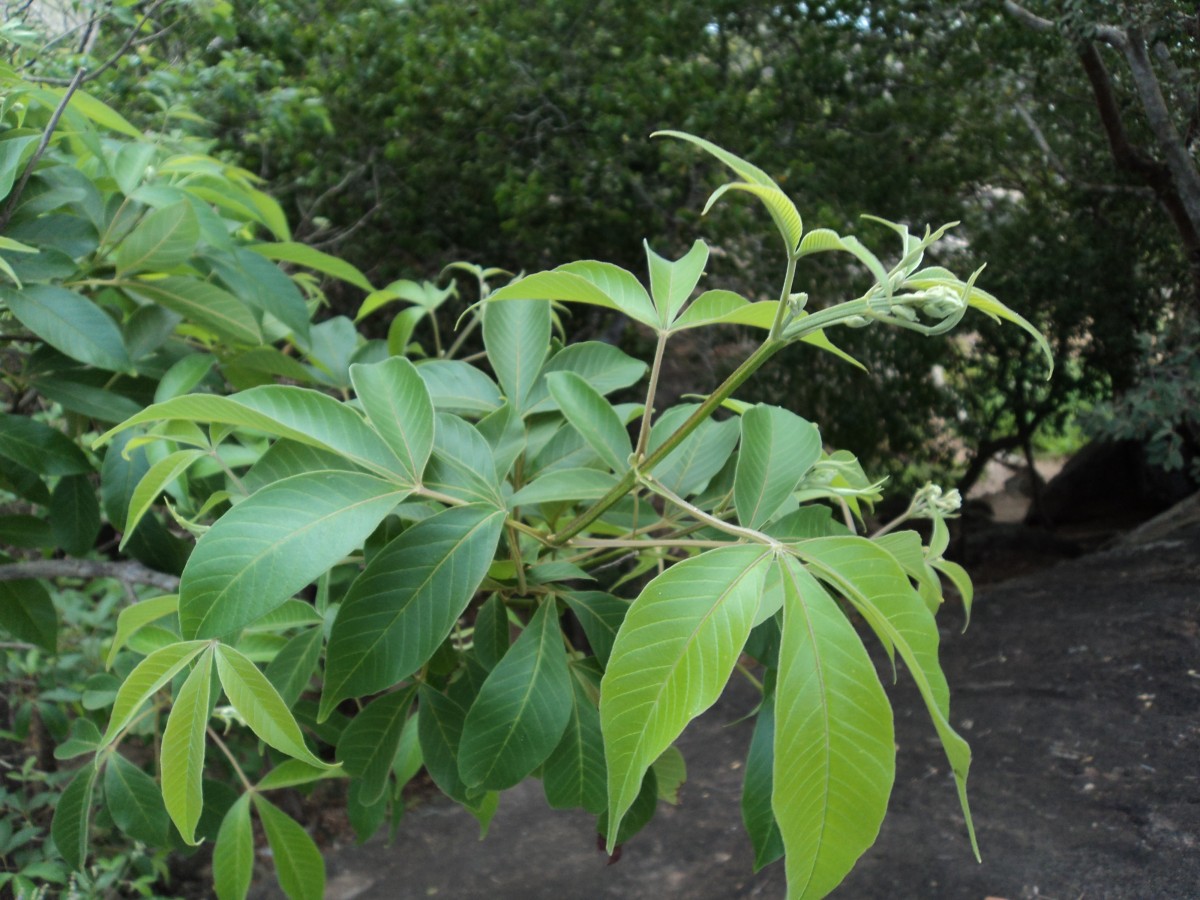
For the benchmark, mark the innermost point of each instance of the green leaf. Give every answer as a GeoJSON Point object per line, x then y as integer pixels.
{"type": "Point", "coordinates": [439, 730]}
{"type": "Point", "coordinates": [274, 543]}
{"type": "Point", "coordinates": [406, 601]}
{"type": "Point", "coordinates": [27, 613]}
{"type": "Point", "coordinates": [40, 447]}
{"type": "Point", "coordinates": [298, 863]}
{"type": "Point", "coordinates": [134, 802]}
{"type": "Point", "coordinates": [408, 759]}
{"type": "Point", "coordinates": [639, 813]}
{"type": "Point", "coordinates": [146, 680]}
{"type": "Point", "coordinates": [75, 514]}
{"type": "Point", "coordinates": [370, 742]}
{"type": "Point", "coordinates": [29, 532]}
{"type": "Point", "coordinates": [69, 827]}
{"type": "Point", "coordinates": [672, 283]}
{"type": "Point", "coordinates": [100, 113]}
{"type": "Point", "coordinates": [161, 241]}
{"type": "Point", "coordinates": [427, 297]}
{"type": "Point", "coordinates": [233, 853]}
{"type": "Point", "coordinates": [130, 164]}
{"type": "Point", "coordinates": [183, 376]}
{"type": "Point", "coordinates": [779, 205]}
{"type": "Point", "coordinates": [601, 616]}
{"type": "Point", "coordinates": [595, 283]}
{"type": "Point", "coordinates": [365, 817]}
{"type": "Point", "coordinates": [157, 479]}
{"type": "Point", "coordinates": [293, 667]}
{"type": "Point", "coordinates": [300, 414]}
{"type": "Point", "coordinates": [204, 304]}
{"type": "Point", "coordinates": [259, 283]}
{"type": "Point", "coordinates": [670, 772]}
{"type": "Point", "coordinates": [778, 447]}
{"type": "Point", "coordinates": [834, 744]}
{"type": "Point", "coordinates": [303, 255]}
{"type": "Point", "coordinates": [70, 324]}
{"type": "Point", "coordinates": [601, 365]}
{"type": "Point", "coordinates": [463, 464]}
{"type": "Point", "coordinates": [181, 758]}
{"type": "Point", "coordinates": [757, 814]}
{"type": "Point", "coordinates": [564, 484]}
{"type": "Point", "coordinates": [522, 708]}
{"type": "Point", "coordinates": [12, 152]}
{"type": "Point", "coordinates": [84, 738]}
{"type": "Point", "coordinates": [962, 583]}
{"type": "Point", "coordinates": [458, 387]}
{"type": "Point", "coordinates": [870, 578]}
{"type": "Point", "coordinates": [726, 308]}
{"type": "Point", "coordinates": [292, 772]}
{"type": "Point", "coordinates": [260, 706]}
{"type": "Point", "coordinates": [690, 467]}
{"type": "Point", "coordinates": [397, 403]}
{"type": "Point", "coordinates": [516, 336]}
{"type": "Point", "coordinates": [593, 417]}
{"type": "Point", "coordinates": [671, 660]}
{"type": "Point", "coordinates": [132, 618]}
{"type": "Point", "coordinates": [744, 170]}
{"type": "Point", "coordinates": [491, 632]}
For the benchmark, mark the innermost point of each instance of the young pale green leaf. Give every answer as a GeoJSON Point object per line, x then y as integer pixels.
{"type": "Point", "coordinates": [744, 170]}
{"type": "Point", "coordinates": [871, 579]}
{"type": "Point", "coordinates": [204, 304]}
{"type": "Point", "coordinates": [274, 543]}
{"type": "Point", "coordinates": [181, 758]}
{"type": "Point", "coordinates": [294, 665]}
{"type": "Point", "coordinates": [310, 258]}
{"type": "Point", "coordinates": [671, 660]}
{"type": "Point", "coordinates": [962, 583]}
{"type": "Point", "coordinates": [70, 324]}
{"type": "Point", "coordinates": [370, 742]}
{"type": "Point", "coordinates": [601, 616]}
{"type": "Point", "coordinates": [161, 241]}
{"type": "Point", "coordinates": [757, 814]}
{"type": "Point", "coordinates": [40, 448]}
{"type": "Point", "coordinates": [69, 827]}
{"type": "Point", "coordinates": [593, 417]}
{"type": "Point", "coordinates": [292, 772]}
{"type": "Point", "coordinates": [260, 706]}
{"type": "Point", "coordinates": [726, 308]}
{"type": "Point", "coordinates": [672, 283]}
{"type": "Point", "coordinates": [779, 205]}
{"type": "Point", "coordinates": [778, 447]}
{"type": "Point", "coordinates": [27, 613]}
{"type": "Point", "coordinates": [157, 479]}
{"type": "Point", "coordinates": [834, 745]}
{"type": "Point", "coordinates": [595, 283]}
{"type": "Point", "coordinates": [522, 708]}
{"type": "Point", "coordinates": [147, 679]}
{"type": "Point", "coordinates": [183, 376]}
{"type": "Point", "coordinates": [233, 853]}
{"type": "Point", "coordinates": [601, 365]}
{"type": "Point", "coordinates": [135, 802]}
{"type": "Point", "coordinates": [397, 403]}
{"type": "Point", "coordinates": [906, 548]}
{"type": "Point", "coordinates": [298, 863]}
{"type": "Point", "coordinates": [403, 605]}
{"type": "Point", "coordinates": [573, 775]}
{"type": "Point", "coordinates": [516, 335]}
{"type": "Point", "coordinates": [564, 485]}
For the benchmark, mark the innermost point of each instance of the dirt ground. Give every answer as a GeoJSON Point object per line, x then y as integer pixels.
{"type": "Point", "coordinates": [1077, 685]}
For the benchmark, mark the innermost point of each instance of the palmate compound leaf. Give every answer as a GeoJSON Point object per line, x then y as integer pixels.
{"type": "Point", "coordinates": [400, 609]}
{"type": "Point", "coordinates": [671, 660]}
{"type": "Point", "coordinates": [834, 747]}
{"type": "Point", "coordinates": [672, 282]}
{"type": "Point", "coordinates": [274, 543]}
{"type": "Point", "coordinates": [181, 758]}
{"type": "Point", "coordinates": [522, 709]}
{"type": "Point", "coordinates": [871, 579]}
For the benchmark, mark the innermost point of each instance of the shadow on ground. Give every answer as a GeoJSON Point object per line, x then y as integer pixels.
{"type": "Point", "coordinates": [1078, 688]}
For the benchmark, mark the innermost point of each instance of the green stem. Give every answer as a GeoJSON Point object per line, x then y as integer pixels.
{"type": "Point", "coordinates": [697, 513]}
{"type": "Point", "coordinates": [232, 760]}
{"type": "Point", "coordinates": [785, 294]}
{"type": "Point", "coordinates": [748, 367]}
{"type": "Point", "coordinates": [648, 413]}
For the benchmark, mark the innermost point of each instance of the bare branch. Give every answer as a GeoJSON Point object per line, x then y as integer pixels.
{"type": "Point", "coordinates": [1030, 20]}
{"type": "Point", "coordinates": [121, 51]}
{"type": "Point", "coordinates": [11, 205]}
{"type": "Point", "coordinates": [128, 572]}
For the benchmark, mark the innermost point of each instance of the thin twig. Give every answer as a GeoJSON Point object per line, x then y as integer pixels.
{"type": "Point", "coordinates": [121, 51]}
{"type": "Point", "coordinates": [130, 571]}
{"type": "Point", "coordinates": [11, 206]}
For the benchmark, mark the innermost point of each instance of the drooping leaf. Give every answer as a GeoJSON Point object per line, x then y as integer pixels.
{"type": "Point", "coordinates": [75, 514]}
{"type": "Point", "coordinates": [522, 708]}
{"type": "Point", "coordinates": [233, 853]}
{"type": "Point", "coordinates": [298, 863]}
{"type": "Point", "coordinates": [158, 478]}
{"type": "Point", "coordinates": [670, 772]}
{"type": "Point", "coordinates": [491, 632]}
{"type": "Point", "coordinates": [70, 324]}
{"type": "Point", "coordinates": [834, 746]}
{"type": "Point", "coordinates": [292, 772]}
{"type": "Point", "coordinates": [593, 417]}
{"type": "Point", "coordinates": [778, 447]}
{"type": "Point", "coordinates": [135, 802]}
{"type": "Point", "coordinates": [275, 542]}
{"type": "Point", "coordinates": [27, 613]}
{"type": "Point", "coordinates": [672, 658]}
{"type": "Point", "coordinates": [601, 615]}
{"type": "Point", "coordinates": [69, 827]}
{"type": "Point", "coordinates": [369, 744]}
{"type": "Point", "coordinates": [181, 757]}
{"type": "Point", "coordinates": [516, 335]}
{"type": "Point", "coordinates": [397, 403]}
{"type": "Point", "coordinates": [403, 605]}
{"type": "Point", "coordinates": [757, 814]}
{"type": "Point", "coordinates": [310, 258]}
{"type": "Point", "coordinates": [573, 775]}
{"type": "Point", "coordinates": [260, 706]}
{"type": "Point", "coordinates": [779, 205]}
